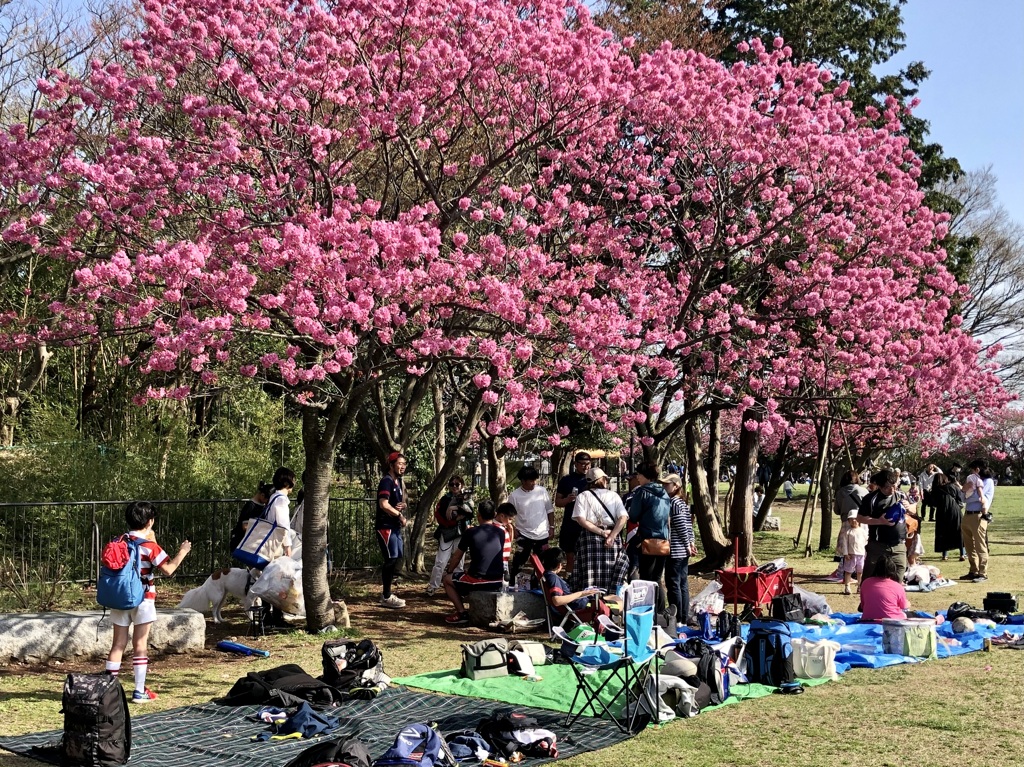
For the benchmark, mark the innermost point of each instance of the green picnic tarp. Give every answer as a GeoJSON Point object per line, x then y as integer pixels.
{"type": "Point", "coordinates": [554, 691]}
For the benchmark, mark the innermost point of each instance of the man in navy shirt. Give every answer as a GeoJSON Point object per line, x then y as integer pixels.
{"type": "Point", "coordinates": [569, 486]}
{"type": "Point", "coordinates": [389, 523]}
{"type": "Point", "coordinates": [489, 545]}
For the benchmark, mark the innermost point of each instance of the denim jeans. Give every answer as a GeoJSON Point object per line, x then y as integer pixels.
{"type": "Point", "coordinates": [678, 586]}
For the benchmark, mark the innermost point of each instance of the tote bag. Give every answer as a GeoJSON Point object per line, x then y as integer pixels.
{"type": "Point", "coordinates": [262, 543]}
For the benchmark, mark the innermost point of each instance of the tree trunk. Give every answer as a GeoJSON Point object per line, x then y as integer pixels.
{"type": "Point", "coordinates": [830, 478]}
{"type": "Point", "coordinates": [741, 515]}
{"type": "Point", "coordinates": [321, 432]}
{"type": "Point", "coordinates": [713, 540]}
{"type": "Point", "coordinates": [778, 465]}
{"type": "Point", "coordinates": [25, 381]}
{"type": "Point", "coordinates": [423, 515]}
{"type": "Point", "coordinates": [497, 482]}
{"type": "Point", "coordinates": [714, 454]}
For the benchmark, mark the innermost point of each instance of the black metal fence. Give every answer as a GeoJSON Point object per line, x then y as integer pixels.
{"type": "Point", "coordinates": [62, 541]}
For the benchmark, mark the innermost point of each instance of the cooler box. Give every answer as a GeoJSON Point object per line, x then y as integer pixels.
{"type": "Point", "coordinates": [914, 638]}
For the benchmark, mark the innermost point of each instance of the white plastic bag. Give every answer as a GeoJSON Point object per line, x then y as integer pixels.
{"type": "Point", "coordinates": [709, 600]}
{"type": "Point", "coordinates": [813, 603]}
{"type": "Point", "coordinates": [281, 585]}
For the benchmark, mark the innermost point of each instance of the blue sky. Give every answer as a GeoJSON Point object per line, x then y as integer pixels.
{"type": "Point", "coordinates": [974, 98]}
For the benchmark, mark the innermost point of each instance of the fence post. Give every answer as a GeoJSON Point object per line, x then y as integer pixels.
{"type": "Point", "coordinates": [94, 548]}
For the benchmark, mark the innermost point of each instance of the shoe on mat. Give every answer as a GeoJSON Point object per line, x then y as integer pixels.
{"type": "Point", "coordinates": [457, 619]}
{"type": "Point", "coordinates": [143, 697]}
{"type": "Point", "coordinates": [393, 602]}
{"type": "Point", "coordinates": [980, 579]}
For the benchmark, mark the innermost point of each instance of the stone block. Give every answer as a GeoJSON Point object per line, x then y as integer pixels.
{"type": "Point", "coordinates": [39, 637]}
{"type": "Point", "coordinates": [486, 607]}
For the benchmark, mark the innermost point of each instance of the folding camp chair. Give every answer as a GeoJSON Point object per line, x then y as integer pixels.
{"type": "Point", "coordinates": [627, 673]}
{"type": "Point", "coordinates": [570, 617]}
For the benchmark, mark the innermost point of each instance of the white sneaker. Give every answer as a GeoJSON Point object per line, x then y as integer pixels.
{"type": "Point", "coordinates": [431, 591]}
{"type": "Point", "coordinates": [393, 602]}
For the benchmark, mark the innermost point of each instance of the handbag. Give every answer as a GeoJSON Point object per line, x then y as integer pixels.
{"type": "Point", "coordinates": [655, 547]}
{"type": "Point", "coordinates": [485, 659]}
{"type": "Point", "coordinates": [262, 543]}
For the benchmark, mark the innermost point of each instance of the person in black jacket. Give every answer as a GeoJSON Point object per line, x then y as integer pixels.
{"type": "Point", "coordinates": [887, 531]}
{"type": "Point", "coordinates": [947, 499]}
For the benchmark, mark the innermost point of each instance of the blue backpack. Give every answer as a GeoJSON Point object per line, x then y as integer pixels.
{"type": "Point", "coordinates": [770, 653]}
{"type": "Point", "coordinates": [416, 744]}
{"type": "Point", "coordinates": [120, 583]}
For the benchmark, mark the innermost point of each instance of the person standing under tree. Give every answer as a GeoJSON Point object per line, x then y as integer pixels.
{"type": "Point", "coordinates": [139, 517]}
{"type": "Point", "coordinates": [452, 514]}
{"type": "Point", "coordinates": [569, 486]}
{"type": "Point", "coordinates": [535, 518]}
{"type": "Point", "coordinates": [390, 521]}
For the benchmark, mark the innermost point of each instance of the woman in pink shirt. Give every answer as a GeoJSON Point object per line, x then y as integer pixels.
{"type": "Point", "coordinates": [882, 595]}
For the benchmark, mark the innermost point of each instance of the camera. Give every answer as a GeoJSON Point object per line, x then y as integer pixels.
{"type": "Point", "coordinates": [987, 516]}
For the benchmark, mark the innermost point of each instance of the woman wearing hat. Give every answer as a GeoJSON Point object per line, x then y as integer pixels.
{"type": "Point", "coordinates": [601, 560]}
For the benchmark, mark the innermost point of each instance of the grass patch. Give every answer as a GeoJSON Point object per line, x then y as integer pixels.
{"type": "Point", "coordinates": [918, 714]}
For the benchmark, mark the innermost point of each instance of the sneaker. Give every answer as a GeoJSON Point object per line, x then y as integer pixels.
{"type": "Point", "coordinates": [962, 559]}
{"type": "Point", "coordinates": [143, 697]}
{"type": "Point", "coordinates": [846, 591]}
{"type": "Point", "coordinates": [980, 579]}
{"type": "Point", "coordinates": [457, 619]}
{"type": "Point", "coordinates": [393, 602]}
{"type": "Point", "coordinates": [430, 591]}
{"type": "Point", "coordinates": [969, 577]}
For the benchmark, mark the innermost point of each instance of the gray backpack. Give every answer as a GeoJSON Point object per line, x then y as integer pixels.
{"type": "Point", "coordinates": [485, 659]}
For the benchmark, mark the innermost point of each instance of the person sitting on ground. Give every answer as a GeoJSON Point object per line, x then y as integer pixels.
{"type": "Point", "coordinates": [882, 596]}
{"type": "Point", "coordinates": [586, 603]}
{"type": "Point", "coordinates": [489, 545]}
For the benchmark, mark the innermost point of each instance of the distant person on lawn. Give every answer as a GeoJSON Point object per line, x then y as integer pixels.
{"type": "Point", "coordinates": [489, 545]}
{"type": "Point", "coordinates": [139, 517]}
{"type": "Point", "coordinates": [389, 523]}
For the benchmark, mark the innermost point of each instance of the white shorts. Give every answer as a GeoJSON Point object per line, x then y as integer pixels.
{"type": "Point", "coordinates": [144, 613]}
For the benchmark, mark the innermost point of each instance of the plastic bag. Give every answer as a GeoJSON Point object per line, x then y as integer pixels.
{"type": "Point", "coordinates": [281, 585]}
{"type": "Point", "coordinates": [710, 600]}
{"type": "Point", "coordinates": [815, 603]}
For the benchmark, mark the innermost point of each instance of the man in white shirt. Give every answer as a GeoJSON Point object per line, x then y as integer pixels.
{"type": "Point", "coordinates": [535, 518]}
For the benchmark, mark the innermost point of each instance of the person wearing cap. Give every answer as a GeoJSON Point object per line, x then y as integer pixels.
{"type": "Point", "coordinates": [535, 519]}
{"type": "Point", "coordinates": [600, 557]}
{"type": "Point", "coordinates": [682, 545]}
{"type": "Point", "coordinates": [389, 523]}
{"type": "Point", "coordinates": [651, 508]}
{"type": "Point", "coordinates": [569, 486]}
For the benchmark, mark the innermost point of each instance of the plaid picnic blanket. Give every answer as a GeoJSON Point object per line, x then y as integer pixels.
{"type": "Point", "coordinates": [209, 735]}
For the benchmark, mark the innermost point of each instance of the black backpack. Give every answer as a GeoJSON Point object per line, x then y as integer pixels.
{"type": "Point", "coordinates": [964, 610]}
{"type": "Point", "coordinates": [349, 664]}
{"type": "Point", "coordinates": [770, 653]}
{"type": "Point", "coordinates": [347, 752]}
{"type": "Point", "coordinates": [788, 607]}
{"type": "Point", "coordinates": [97, 726]}
{"type": "Point", "coordinates": [709, 667]}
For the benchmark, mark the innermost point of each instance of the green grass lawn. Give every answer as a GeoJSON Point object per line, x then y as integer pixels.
{"type": "Point", "coordinates": [961, 712]}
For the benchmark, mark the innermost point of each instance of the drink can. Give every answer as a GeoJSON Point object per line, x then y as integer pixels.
{"type": "Point", "coordinates": [987, 644]}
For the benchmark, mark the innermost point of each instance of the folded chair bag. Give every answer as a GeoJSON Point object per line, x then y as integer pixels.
{"type": "Point", "coordinates": [536, 650]}
{"type": "Point", "coordinates": [485, 659]}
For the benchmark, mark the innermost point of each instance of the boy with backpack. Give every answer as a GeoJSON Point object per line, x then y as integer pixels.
{"type": "Point", "coordinates": [139, 517]}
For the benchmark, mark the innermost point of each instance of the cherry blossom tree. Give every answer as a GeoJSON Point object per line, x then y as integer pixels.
{"type": "Point", "coordinates": [324, 194]}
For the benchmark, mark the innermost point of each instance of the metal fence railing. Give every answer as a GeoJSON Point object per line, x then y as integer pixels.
{"type": "Point", "coordinates": [62, 541]}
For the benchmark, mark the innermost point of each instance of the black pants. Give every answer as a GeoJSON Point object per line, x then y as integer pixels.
{"type": "Point", "coordinates": [526, 546]}
{"type": "Point", "coordinates": [651, 569]}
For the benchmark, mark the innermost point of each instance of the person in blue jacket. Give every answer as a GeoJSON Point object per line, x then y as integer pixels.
{"type": "Point", "coordinates": [650, 507]}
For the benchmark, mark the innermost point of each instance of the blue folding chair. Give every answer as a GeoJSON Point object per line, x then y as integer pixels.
{"type": "Point", "coordinates": [629, 664]}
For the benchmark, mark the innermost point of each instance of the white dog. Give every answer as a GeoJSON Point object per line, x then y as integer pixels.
{"type": "Point", "coordinates": [230, 580]}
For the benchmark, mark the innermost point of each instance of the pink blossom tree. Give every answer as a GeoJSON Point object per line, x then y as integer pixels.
{"type": "Point", "coordinates": [324, 194]}
{"type": "Point", "coordinates": [801, 271]}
